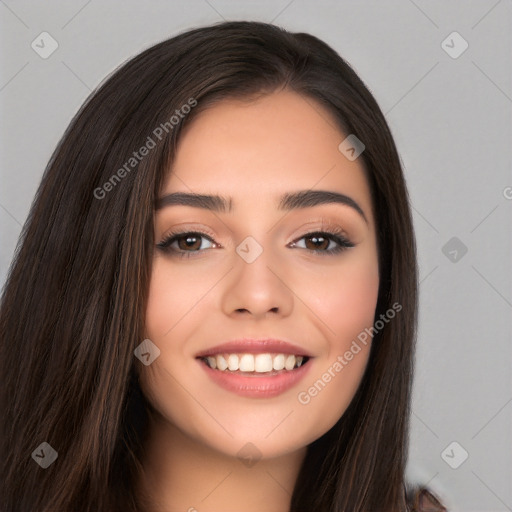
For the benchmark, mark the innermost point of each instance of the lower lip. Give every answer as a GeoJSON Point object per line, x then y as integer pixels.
{"type": "Point", "coordinates": [258, 385]}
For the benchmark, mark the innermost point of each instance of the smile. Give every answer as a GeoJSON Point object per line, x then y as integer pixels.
{"type": "Point", "coordinates": [254, 363]}
{"type": "Point", "coordinates": [262, 375]}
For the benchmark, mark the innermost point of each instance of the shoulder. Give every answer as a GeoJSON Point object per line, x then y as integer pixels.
{"type": "Point", "coordinates": [422, 500]}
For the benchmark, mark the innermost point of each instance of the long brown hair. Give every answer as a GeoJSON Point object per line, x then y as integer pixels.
{"type": "Point", "coordinates": [73, 306]}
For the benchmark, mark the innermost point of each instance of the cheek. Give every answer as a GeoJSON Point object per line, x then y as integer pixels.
{"type": "Point", "coordinates": [172, 293]}
{"type": "Point", "coordinates": [345, 298]}
{"type": "Point", "coordinates": [172, 312]}
{"type": "Point", "coordinates": [352, 308]}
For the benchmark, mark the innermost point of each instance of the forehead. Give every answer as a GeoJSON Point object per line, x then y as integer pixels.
{"type": "Point", "coordinates": [256, 151]}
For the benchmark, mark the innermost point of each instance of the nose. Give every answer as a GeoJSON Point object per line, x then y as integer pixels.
{"type": "Point", "coordinates": [258, 287]}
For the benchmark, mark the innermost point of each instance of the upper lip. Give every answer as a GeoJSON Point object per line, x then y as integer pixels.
{"type": "Point", "coordinates": [255, 346]}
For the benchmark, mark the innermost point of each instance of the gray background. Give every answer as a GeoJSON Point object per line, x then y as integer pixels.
{"type": "Point", "coordinates": [451, 118]}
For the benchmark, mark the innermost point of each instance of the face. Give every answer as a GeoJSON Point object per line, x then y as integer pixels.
{"type": "Point", "coordinates": [305, 274]}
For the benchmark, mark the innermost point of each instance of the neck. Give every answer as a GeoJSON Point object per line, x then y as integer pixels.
{"type": "Point", "coordinates": [183, 474]}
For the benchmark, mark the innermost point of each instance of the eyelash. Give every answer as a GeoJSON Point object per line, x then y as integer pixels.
{"type": "Point", "coordinates": [335, 234]}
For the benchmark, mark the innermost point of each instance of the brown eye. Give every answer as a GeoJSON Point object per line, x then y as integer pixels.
{"type": "Point", "coordinates": [319, 241]}
{"type": "Point", "coordinates": [187, 243]}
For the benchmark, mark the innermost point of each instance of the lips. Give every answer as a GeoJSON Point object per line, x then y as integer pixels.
{"type": "Point", "coordinates": [254, 368]}
{"type": "Point", "coordinates": [255, 346]}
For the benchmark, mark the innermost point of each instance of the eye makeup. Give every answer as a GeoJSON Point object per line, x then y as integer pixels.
{"type": "Point", "coordinates": [331, 234]}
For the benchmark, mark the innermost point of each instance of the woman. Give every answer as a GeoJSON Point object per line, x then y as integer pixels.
{"type": "Point", "coordinates": [269, 367]}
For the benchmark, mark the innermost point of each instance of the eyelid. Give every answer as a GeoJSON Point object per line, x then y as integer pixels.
{"type": "Point", "coordinates": [186, 228]}
{"type": "Point", "coordinates": [325, 225]}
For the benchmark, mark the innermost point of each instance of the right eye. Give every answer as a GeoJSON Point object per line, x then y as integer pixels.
{"type": "Point", "coordinates": [185, 240]}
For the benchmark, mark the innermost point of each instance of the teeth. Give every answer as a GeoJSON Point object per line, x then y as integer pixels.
{"type": "Point", "coordinates": [259, 363]}
{"type": "Point", "coordinates": [233, 362]}
{"type": "Point", "coordinates": [247, 363]}
{"type": "Point", "coordinates": [278, 362]}
{"type": "Point", "coordinates": [221, 363]}
{"type": "Point", "coordinates": [263, 363]}
{"type": "Point", "coordinates": [289, 363]}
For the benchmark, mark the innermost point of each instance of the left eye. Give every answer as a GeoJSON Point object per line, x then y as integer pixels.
{"type": "Point", "coordinates": [320, 238]}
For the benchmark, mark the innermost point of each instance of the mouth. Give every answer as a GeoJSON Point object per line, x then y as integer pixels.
{"type": "Point", "coordinates": [255, 368]}
{"type": "Point", "coordinates": [254, 365]}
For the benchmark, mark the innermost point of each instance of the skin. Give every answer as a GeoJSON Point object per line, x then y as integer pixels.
{"type": "Point", "coordinates": [253, 152]}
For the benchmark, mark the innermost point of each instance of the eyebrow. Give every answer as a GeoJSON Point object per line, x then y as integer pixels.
{"type": "Point", "coordinates": [287, 202]}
